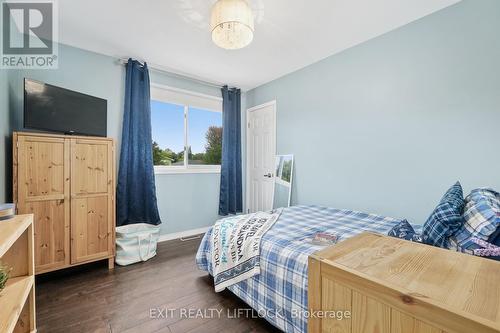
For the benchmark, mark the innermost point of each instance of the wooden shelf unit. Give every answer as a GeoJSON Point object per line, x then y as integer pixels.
{"type": "Point", "coordinates": [17, 300]}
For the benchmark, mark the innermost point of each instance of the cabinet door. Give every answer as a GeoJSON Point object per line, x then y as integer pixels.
{"type": "Point", "coordinates": [92, 208]}
{"type": "Point", "coordinates": [42, 189]}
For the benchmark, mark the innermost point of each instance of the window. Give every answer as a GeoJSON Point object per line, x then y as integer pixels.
{"type": "Point", "coordinates": [204, 136]}
{"type": "Point", "coordinates": [167, 122]}
{"type": "Point", "coordinates": [186, 130]}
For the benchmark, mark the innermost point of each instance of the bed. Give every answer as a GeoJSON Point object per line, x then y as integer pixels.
{"type": "Point", "coordinates": [279, 293]}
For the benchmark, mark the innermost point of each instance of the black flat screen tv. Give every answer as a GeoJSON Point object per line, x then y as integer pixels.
{"type": "Point", "coordinates": [55, 109]}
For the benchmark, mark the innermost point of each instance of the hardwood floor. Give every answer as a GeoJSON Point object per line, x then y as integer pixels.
{"type": "Point", "coordinates": [91, 299]}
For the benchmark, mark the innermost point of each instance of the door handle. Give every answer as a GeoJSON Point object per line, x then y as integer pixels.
{"type": "Point", "coordinates": [269, 175]}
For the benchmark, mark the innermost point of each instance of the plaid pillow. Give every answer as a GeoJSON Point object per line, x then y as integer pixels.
{"type": "Point", "coordinates": [446, 218]}
{"type": "Point", "coordinates": [482, 214]}
{"type": "Point", "coordinates": [404, 230]}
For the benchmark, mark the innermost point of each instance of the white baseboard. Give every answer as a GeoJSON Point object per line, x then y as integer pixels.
{"type": "Point", "coordinates": [182, 234]}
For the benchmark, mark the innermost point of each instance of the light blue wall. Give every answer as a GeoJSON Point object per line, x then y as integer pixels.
{"type": "Point", "coordinates": [389, 125]}
{"type": "Point", "coordinates": [185, 201]}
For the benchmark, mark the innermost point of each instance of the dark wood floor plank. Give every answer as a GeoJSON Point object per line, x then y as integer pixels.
{"type": "Point", "coordinates": [91, 299]}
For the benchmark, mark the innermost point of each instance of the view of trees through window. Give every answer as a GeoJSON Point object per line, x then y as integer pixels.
{"type": "Point", "coordinates": [213, 148]}
{"type": "Point", "coordinates": [204, 135]}
{"type": "Point", "coordinates": [166, 156]}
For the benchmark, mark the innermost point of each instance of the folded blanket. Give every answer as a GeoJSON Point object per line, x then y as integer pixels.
{"type": "Point", "coordinates": [236, 247]}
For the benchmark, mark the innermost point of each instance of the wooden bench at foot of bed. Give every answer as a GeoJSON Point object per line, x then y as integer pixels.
{"type": "Point", "coordinates": [396, 286]}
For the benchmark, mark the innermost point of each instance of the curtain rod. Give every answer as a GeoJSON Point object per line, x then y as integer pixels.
{"type": "Point", "coordinates": [159, 69]}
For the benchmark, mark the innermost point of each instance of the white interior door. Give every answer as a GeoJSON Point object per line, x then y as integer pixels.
{"type": "Point", "coordinates": [261, 152]}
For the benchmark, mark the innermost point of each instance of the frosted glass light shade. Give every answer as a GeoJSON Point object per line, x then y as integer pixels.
{"type": "Point", "coordinates": [232, 24]}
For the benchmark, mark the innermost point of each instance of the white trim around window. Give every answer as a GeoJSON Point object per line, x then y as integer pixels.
{"type": "Point", "coordinates": [187, 99]}
{"type": "Point", "coordinates": [169, 170]}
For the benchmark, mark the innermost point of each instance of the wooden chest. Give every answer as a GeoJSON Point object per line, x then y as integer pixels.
{"type": "Point", "coordinates": [396, 286]}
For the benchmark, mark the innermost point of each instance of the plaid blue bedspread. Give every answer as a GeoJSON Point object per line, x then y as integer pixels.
{"type": "Point", "coordinates": [280, 291]}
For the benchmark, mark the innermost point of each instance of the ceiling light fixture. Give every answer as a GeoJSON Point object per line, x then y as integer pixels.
{"type": "Point", "coordinates": [232, 24]}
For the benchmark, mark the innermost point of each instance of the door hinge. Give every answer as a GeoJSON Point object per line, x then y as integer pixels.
{"type": "Point", "coordinates": [248, 124]}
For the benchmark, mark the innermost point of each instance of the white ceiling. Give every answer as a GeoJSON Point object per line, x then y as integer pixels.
{"type": "Point", "coordinates": [289, 34]}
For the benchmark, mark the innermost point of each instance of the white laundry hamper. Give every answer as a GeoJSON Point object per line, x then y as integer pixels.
{"type": "Point", "coordinates": [136, 243]}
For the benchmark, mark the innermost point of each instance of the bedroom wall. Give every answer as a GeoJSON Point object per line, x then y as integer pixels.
{"type": "Point", "coordinates": [387, 126]}
{"type": "Point", "coordinates": [186, 201]}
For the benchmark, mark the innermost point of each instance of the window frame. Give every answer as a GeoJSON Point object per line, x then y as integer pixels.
{"type": "Point", "coordinates": [190, 100]}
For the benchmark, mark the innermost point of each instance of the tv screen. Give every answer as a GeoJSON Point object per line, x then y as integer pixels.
{"type": "Point", "coordinates": [51, 108]}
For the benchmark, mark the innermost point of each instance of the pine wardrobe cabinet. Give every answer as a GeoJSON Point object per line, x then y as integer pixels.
{"type": "Point", "coordinates": [68, 183]}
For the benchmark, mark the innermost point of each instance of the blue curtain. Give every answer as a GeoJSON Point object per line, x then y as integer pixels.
{"type": "Point", "coordinates": [230, 199]}
{"type": "Point", "coordinates": [136, 191]}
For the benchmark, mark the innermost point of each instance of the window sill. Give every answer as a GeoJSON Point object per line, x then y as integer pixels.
{"type": "Point", "coordinates": [182, 170]}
